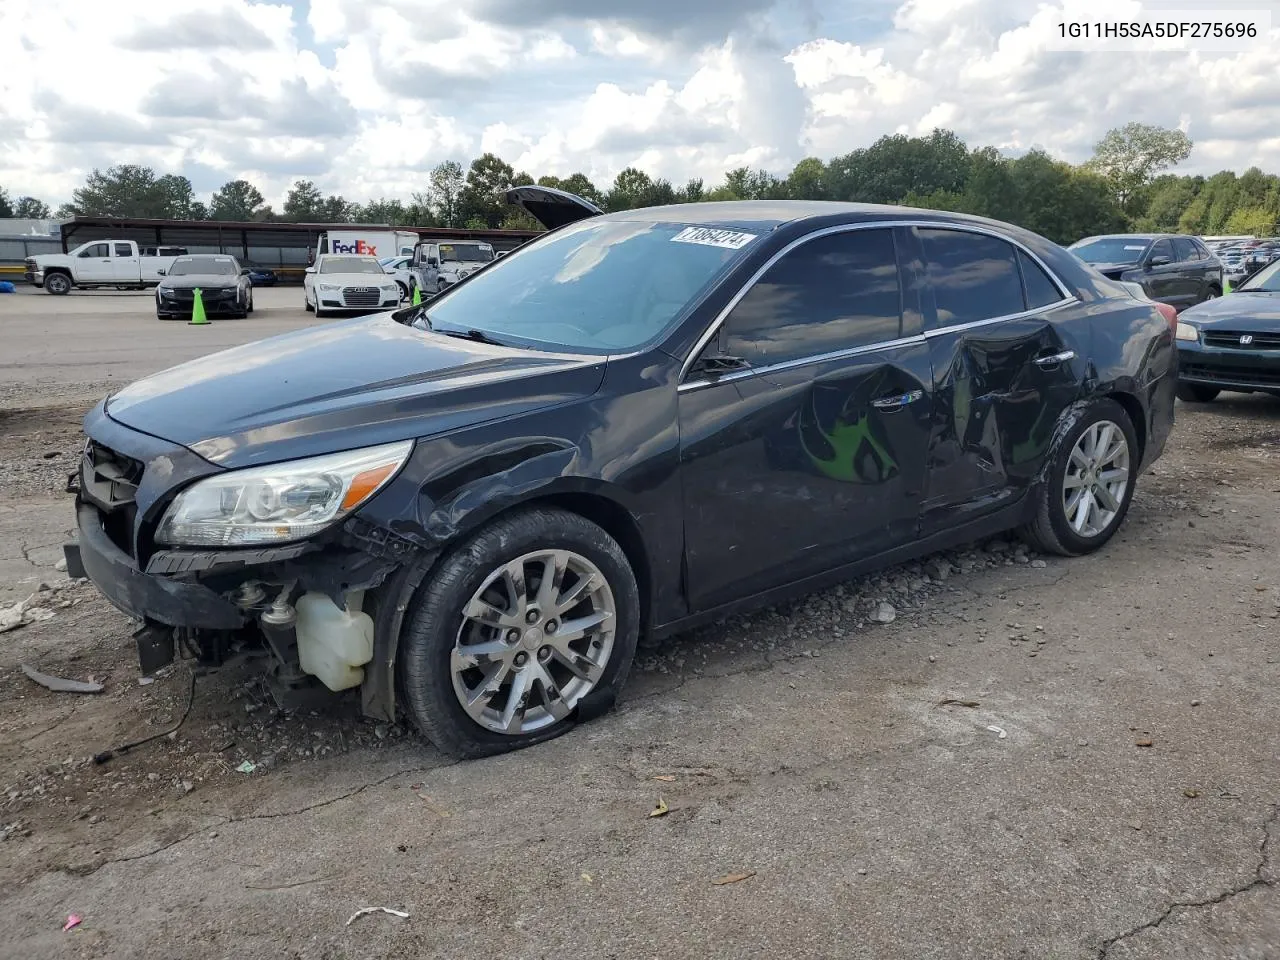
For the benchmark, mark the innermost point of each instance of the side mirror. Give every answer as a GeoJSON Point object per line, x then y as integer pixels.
{"type": "Point", "coordinates": [716, 366]}
{"type": "Point", "coordinates": [244, 271]}
{"type": "Point", "coordinates": [160, 273]}
{"type": "Point", "coordinates": [311, 269]}
{"type": "Point", "coordinates": [1158, 262]}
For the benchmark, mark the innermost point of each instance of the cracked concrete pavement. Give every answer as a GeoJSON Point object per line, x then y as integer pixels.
{"type": "Point", "coordinates": [801, 746]}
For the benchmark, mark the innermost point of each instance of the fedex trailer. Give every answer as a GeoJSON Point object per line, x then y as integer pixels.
{"type": "Point", "coordinates": [368, 243]}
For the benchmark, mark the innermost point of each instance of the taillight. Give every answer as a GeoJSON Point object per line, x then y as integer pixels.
{"type": "Point", "coordinates": [1170, 314]}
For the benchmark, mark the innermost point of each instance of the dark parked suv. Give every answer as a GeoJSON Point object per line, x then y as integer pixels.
{"type": "Point", "coordinates": [1174, 269]}
{"type": "Point", "coordinates": [471, 509]}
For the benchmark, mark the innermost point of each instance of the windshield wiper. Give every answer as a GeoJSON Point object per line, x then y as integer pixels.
{"type": "Point", "coordinates": [477, 335]}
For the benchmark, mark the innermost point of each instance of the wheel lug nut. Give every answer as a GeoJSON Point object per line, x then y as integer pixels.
{"type": "Point", "coordinates": [550, 626]}
{"type": "Point", "coordinates": [521, 659]}
{"type": "Point", "coordinates": [531, 616]}
{"type": "Point", "coordinates": [513, 636]}
{"type": "Point", "coordinates": [544, 654]}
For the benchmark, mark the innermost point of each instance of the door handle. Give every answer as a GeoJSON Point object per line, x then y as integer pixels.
{"type": "Point", "coordinates": [897, 401]}
{"type": "Point", "coordinates": [1053, 359]}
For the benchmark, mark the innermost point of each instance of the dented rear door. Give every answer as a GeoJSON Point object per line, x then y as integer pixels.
{"type": "Point", "coordinates": [1009, 349]}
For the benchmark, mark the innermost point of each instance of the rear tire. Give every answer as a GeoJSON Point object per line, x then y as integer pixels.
{"type": "Point", "coordinates": [1088, 481]}
{"type": "Point", "coordinates": [527, 645]}
{"type": "Point", "coordinates": [1196, 393]}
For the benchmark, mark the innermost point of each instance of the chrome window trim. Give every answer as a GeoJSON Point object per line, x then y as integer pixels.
{"type": "Point", "coordinates": [714, 327]}
{"type": "Point", "coordinates": [801, 362]}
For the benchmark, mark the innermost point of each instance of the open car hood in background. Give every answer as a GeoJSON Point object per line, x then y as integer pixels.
{"type": "Point", "coordinates": [551, 207]}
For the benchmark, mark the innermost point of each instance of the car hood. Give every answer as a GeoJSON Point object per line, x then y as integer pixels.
{"type": "Point", "coordinates": [353, 279]}
{"type": "Point", "coordinates": [343, 385]}
{"type": "Point", "coordinates": [206, 281]}
{"type": "Point", "coordinates": [1243, 310]}
{"type": "Point", "coordinates": [1104, 267]}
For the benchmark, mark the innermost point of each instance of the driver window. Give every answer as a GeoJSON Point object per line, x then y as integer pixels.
{"type": "Point", "coordinates": [97, 250]}
{"type": "Point", "coordinates": [833, 293]}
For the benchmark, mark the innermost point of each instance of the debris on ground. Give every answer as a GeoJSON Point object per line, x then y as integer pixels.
{"type": "Point", "coordinates": [247, 767]}
{"type": "Point", "coordinates": [72, 921]}
{"type": "Point", "coordinates": [733, 878]}
{"type": "Point", "coordinates": [884, 613]}
{"type": "Point", "coordinates": [665, 778]}
{"type": "Point", "coordinates": [1144, 743]}
{"type": "Point", "coordinates": [60, 684]}
{"type": "Point", "coordinates": [954, 702]}
{"type": "Point", "coordinates": [999, 731]}
{"type": "Point", "coordinates": [363, 910]}
{"type": "Point", "coordinates": [661, 809]}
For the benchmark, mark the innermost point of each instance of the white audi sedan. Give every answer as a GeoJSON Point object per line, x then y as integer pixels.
{"type": "Point", "coordinates": [343, 282]}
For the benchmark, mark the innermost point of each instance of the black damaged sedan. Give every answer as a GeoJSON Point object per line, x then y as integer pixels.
{"type": "Point", "coordinates": [1233, 343]}
{"type": "Point", "coordinates": [470, 510]}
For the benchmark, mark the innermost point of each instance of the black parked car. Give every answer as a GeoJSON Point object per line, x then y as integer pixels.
{"type": "Point", "coordinates": [640, 421]}
{"type": "Point", "coordinates": [225, 287]}
{"type": "Point", "coordinates": [1174, 269]}
{"type": "Point", "coordinates": [1232, 343]}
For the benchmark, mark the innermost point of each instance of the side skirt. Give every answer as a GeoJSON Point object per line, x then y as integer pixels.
{"type": "Point", "coordinates": [1002, 521]}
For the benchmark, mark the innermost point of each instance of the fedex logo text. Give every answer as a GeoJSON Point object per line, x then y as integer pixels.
{"type": "Point", "coordinates": [359, 246]}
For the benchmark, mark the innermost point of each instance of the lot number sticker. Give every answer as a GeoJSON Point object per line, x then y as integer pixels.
{"type": "Point", "coordinates": [713, 238]}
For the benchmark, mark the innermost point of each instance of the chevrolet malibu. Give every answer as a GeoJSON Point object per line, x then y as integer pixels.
{"type": "Point", "coordinates": [470, 510]}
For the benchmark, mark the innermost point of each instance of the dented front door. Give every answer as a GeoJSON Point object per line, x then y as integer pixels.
{"type": "Point", "coordinates": [803, 439]}
{"type": "Point", "coordinates": [1001, 380]}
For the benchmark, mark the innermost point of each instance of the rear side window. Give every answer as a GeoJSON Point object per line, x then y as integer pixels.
{"type": "Point", "coordinates": [1162, 248]}
{"type": "Point", "coordinates": [974, 276]}
{"type": "Point", "coordinates": [834, 293]}
{"type": "Point", "coordinates": [124, 250]}
{"type": "Point", "coordinates": [1184, 249]}
{"type": "Point", "coordinates": [1041, 291]}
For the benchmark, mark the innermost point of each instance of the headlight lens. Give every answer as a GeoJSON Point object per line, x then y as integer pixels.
{"type": "Point", "coordinates": [281, 502]}
{"type": "Point", "coordinates": [1187, 332]}
{"type": "Point", "coordinates": [330, 287]}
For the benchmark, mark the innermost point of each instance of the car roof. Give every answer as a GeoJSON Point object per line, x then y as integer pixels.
{"type": "Point", "coordinates": [769, 214]}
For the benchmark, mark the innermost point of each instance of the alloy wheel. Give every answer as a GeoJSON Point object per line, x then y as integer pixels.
{"type": "Point", "coordinates": [1096, 479]}
{"type": "Point", "coordinates": [535, 639]}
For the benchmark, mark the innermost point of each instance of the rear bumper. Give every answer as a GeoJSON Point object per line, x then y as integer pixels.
{"type": "Point", "coordinates": [1245, 370]}
{"type": "Point", "coordinates": [138, 594]}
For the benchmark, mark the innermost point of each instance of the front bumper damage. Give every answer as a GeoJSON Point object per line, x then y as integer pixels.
{"type": "Point", "coordinates": [220, 602]}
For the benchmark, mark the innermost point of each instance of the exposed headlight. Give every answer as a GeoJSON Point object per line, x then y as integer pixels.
{"type": "Point", "coordinates": [329, 287]}
{"type": "Point", "coordinates": [279, 503]}
{"type": "Point", "coordinates": [1187, 332]}
{"type": "Point", "coordinates": [390, 288]}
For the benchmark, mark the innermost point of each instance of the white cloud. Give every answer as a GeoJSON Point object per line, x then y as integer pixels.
{"type": "Point", "coordinates": [365, 96]}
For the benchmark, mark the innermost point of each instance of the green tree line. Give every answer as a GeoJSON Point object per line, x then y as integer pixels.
{"type": "Point", "coordinates": [1125, 185]}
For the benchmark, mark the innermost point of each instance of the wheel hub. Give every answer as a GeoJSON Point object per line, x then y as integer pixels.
{"type": "Point", "coordinates": [534, 640]}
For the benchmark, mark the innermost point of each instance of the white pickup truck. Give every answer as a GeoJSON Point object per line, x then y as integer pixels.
{"type": "Point", "coordinates": [101, 263]}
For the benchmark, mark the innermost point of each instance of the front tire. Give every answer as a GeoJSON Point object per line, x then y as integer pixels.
{"type": "Point", "coordinates": [520, 633]}
{"type": "Point", "coordinates": [58, 284]}
{"type": "Point", "coordinates": [306, 303]}
{"type": "Point", "coordinates": [1196, 393]}
{"type": "Point", "coordinates": [1089, 481]}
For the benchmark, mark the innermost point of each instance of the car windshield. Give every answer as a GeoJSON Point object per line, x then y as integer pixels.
{"type": "Point", "coordinates": [350, 265]}
{"type": "Point", "coordinates": [595, 287]}
{"type": "Point", "coordinates": [204, 267]}
{"type": "Point", "coordinates": [466, 252]}
{"type": "Point", "coordinates": [1111, 250]}
{"type": "Point", "coordinates": [1267, 279]}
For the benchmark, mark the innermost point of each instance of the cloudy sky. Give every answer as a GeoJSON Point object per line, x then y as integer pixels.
{"type": "Point", "coordinates": [365, 96]}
